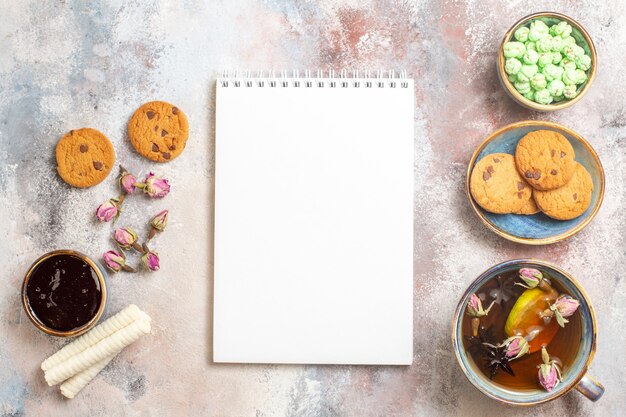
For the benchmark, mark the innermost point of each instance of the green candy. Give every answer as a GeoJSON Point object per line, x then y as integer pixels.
{"type": "Point", "coordinates": [556, 88]}
{"type": "Point", "coordinates": [562, 29]}
{"type": "Point", "coordinates": [530, 95]}
{"type": "Point", "coordinates": [583, 62]}
{"type": "Point", "coordinates": [567, 63]}
{"type": "Point", "coordinates": [545, 58]}
{"type": "Point", "coordinates": [580, 76]}
{"type": "Point", "coordinates": [530, 57]}
{"type": "Point", "coordinates": [514, 50]}
{"type": "Point", "coordinates": [556, 58]}
{"type": "Point", "coordinates": [557, 44]}
{"type": "Point", "coordinates": [512, 78]}
{"type": "Point", "coordinates": [544, 44]}
{"type": "Point", "coordinates": [538, 30]}
{"type": "Point", "coordinates": [521, 34]}
{"type": "Point", "coordinates": [570, 91]}
{"type": "Point", "coordinates": [522, 87]}
{"type": "Point", "coordinates": [568, 41]}
{"type": "Point", "coordinates": [512, 66]}
{"type": "Point", "coordinates": [569, 76]}
{"type": "Point", "coordinates": [528, 70]}
{"type": "Point", "coordinates": [538, 81]}
{"type": "Point", "coordinates": [573, 51]}
{"type": "Point", "coordinates": [552, 72]}
{"type": "Point", "coordinates": [521, 77]}
{"type": "Point", "coordinates": [574, 76]}
{"type": "Point", "coordinates": [531, 45]}
{"type": "Point", "coordinates": [543, 96]}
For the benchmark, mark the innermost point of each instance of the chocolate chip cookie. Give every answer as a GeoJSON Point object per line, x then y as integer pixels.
{"type": "Point", "coordinates": [545, 159]}
{"type": "Point", "coordinates": [84, 157]}
{"type": "Point", "coordinates": [158, 131]}
{"type": "Point", "coordinates": [569, 201]}
{"type": "Point", "coordinates": [497, 187]}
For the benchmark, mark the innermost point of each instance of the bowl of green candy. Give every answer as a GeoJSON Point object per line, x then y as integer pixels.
{"type": "Point", "coordinates": [547, 61]}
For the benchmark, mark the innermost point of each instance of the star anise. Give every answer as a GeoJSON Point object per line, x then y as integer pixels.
{"type": "Point", "coordinates": [504, 290]}
{"type": "Point", "coordinates": [486, 348]}
{"type": "Point", "coordinates": [495, 359]}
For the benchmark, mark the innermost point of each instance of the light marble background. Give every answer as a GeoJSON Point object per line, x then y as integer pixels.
{"type": "Point", "coordinates": [64, 65]}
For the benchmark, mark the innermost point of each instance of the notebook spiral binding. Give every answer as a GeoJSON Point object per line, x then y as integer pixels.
{"type": "Point", "coordinates": [366, 79]}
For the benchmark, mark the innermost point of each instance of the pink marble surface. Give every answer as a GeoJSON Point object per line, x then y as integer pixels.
{"type": "Point", "coordinates": [65, 65]}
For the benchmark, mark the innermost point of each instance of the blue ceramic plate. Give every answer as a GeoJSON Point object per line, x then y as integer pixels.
{"type": "Point", "coordinates": [537, 229]}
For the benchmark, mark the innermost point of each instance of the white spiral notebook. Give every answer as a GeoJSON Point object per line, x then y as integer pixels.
{"type": "Point", "coordinates": [314, 220]}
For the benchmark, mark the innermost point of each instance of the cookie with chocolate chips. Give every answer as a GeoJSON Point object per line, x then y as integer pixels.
{"type": "Point", "coordinates": [569, 201]}
{"type": "Point", "coordinates": [158, 131]}
{"type": "Point", "coordinates": [497, 187]}
{"type": "Point", "coordinates": [84, 157]}
{"type": "Point", "coordinates": [545, 158]}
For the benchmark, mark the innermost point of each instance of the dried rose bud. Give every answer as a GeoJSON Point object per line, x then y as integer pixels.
{"type": "Point", "coordinates": [475, 311]}
{"type": "Point", "coordinates": [549, 372]}
{"type": "Point", "coordinates": [151, 261]}
{"type": "Point", "coordinates": [116, 261]}
{"type": "Point", "coordinates": [531, 277]}
{"type": "Point", "coordinates": [564, 306]}
{"type": "Point", "coordinates": [126, 238]}
{"type": "Point", "coordinates": [515, 347]}
{"type": "Point", "coordinates": [108, 210]}
{"type": "Point", "coordinates": [475, 307]}
{"type": "Point", "coordinates": [160, 220]}
{"type": "Point", "coordinates": [127, 182]}
{"type": "Point", "coordinates": [155, 187]}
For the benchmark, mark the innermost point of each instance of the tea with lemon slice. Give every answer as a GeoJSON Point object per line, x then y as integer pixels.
{"type": "Point", "coordinates": [508, 321]}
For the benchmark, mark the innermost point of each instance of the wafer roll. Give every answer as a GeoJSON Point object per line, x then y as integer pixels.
{"type": "Point", "coordinates": [98, 333]}
{"type": "Point", "coordinates": [98, 352]}
{"type": "Point", "coordinates": [72, 386]}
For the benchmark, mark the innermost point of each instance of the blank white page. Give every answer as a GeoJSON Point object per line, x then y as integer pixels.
{"type": "Point", "coordinates": [314, 222]}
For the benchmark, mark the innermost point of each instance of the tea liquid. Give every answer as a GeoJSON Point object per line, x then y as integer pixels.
{"type": "Point", "coordinates": [563, 347]}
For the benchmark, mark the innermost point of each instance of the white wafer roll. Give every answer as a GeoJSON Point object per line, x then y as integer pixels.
{"type": "Point", "coordinates": [101, 331]}
{"type": "Point", "coordinates": [72, 386]}
{"type": "Point", "coordinates": [104, 348]}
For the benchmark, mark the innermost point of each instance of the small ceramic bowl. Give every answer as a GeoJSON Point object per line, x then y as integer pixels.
{"type": "Point", "coordinates": [537, 229]}
{"type": "Point", "coordinates": [582, 39]}
{"type": "Point", "coordinates": [101, 276]}
{"type": "Point", "coordinates": [574, 376]}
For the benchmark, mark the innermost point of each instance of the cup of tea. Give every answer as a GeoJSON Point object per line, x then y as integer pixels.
{"type": "Point", "coordinates": [524, 333]}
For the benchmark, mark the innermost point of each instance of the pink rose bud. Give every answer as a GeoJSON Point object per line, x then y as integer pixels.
{"type": "Point", "coordinates": [156, 187]}
{"type": "Point", "coordinates": [158, 223]}
{"type": "Point", "coordinates": [564, 306]}
{"type": "Point", "coordinates": [549, 372]}
{"type": "Point", "coordinates": [113, 260]}
{"type": "Point", "coordinates": [108, 210]}
{"type": "Point", "coordinates": [151, 261]}
{"type": "Point", "coordinates": [531, 277]}
{"type": "Point", "coordinates": [160, 220]}
{"type": "Point", "coordinates": [515, 347]}
{"type": "Point", "coordinates": [125, 237]}
{"type": "Point", "coordinates": [127, 182]}
{"type": "Point", "coordinates": [475, 307]}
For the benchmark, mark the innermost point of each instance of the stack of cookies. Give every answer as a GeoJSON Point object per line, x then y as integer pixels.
{"type": "Point", "coordinates": [542, 176]}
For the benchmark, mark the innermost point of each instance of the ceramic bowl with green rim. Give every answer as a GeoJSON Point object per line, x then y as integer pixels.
{"type": "Point", "coordinates": [583, 40]}
{"type": "Point", "coordinates": [573, 376]}
{"type": "Point", "coordinates": [537, 229]}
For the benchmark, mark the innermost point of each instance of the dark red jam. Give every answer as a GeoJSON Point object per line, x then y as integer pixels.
{"type": "Point", "coordinates": [64, 292]}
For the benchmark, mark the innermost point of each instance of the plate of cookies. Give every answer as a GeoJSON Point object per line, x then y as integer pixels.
{"type": "Point", "coordinates": [535, 182]}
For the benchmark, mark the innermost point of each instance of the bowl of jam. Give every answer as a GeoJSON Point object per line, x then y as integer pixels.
{"type": "Point", "coordinates": [64, 293]}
